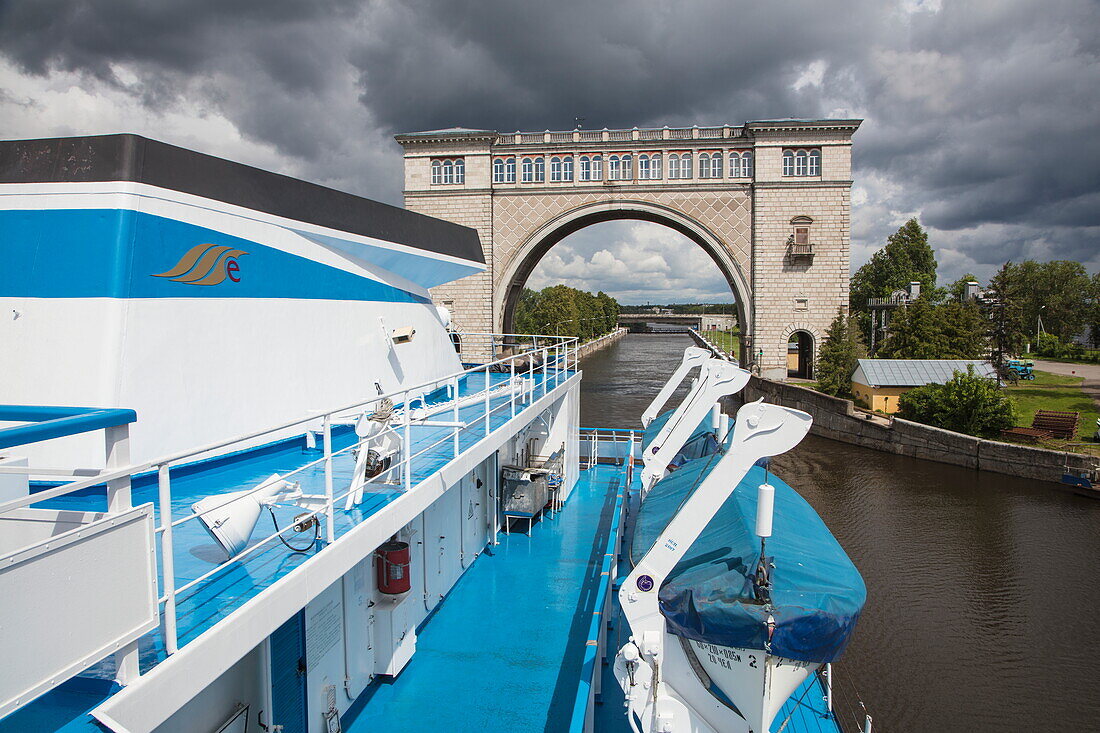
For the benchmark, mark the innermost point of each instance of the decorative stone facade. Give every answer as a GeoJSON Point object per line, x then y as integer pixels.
{"type": "Point", "coordinates": [745, 223]}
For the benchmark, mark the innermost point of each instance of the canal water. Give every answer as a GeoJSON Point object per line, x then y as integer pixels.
{"type": "Point", "coordinates": [983, 609]}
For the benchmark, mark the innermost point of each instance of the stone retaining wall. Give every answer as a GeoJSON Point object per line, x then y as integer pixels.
{"type": "Point", "coordinates": [838, 419]}
{"type": "Point", "coordinates": [596, 344]}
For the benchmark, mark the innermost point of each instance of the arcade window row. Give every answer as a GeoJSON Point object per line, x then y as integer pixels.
{"type": "Point", "coordinates": [798, 162]}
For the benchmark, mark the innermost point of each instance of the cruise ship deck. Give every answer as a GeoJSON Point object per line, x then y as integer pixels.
{"type": "Point", "coordinates": [507, 649]}
{"type": "Point", "coordinates": [201, 602]}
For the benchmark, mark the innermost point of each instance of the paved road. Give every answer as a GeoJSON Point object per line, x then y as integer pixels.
{"type": "Point", "coordinates": [1091, 373]}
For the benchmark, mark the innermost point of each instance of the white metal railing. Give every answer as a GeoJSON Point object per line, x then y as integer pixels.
{"type": "Point", "coordinates": [621, 135]}
{"type": "Point", "coordinates": [624, 444]}
{"type": "Point", "coordinates": [551, 359]}
{"type": "Point", "coordinates": [708, 344]}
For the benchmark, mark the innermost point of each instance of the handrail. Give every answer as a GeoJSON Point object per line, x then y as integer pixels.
{"type": "Point", "coordinates": [596, 643]}
{"type": "Point", "coordinates": [48, 422]}
{"type": "Point", "coordinates": [558, 355]}
{"type": "Point", "coordinates": [217, 445]}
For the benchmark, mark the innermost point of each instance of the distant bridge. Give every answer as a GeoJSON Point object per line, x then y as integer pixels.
{"type": "Point", "coordinates": [636, 322]}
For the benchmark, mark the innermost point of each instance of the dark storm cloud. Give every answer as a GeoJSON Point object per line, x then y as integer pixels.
{"type": "Point", "coordinates": [981, 117]}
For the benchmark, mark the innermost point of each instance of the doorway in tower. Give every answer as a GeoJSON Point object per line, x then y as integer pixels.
{"type": "Point", "coordinates": [800, 355]}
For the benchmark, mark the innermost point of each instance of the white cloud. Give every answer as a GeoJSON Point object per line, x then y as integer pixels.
{"type": "Point", "coordinates": [635, 262]}
{"type": "Point", "coordinates": [812, 75]}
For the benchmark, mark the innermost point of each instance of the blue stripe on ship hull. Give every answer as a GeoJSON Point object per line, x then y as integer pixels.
{"type": "Point", "coordinates": [117, 253]}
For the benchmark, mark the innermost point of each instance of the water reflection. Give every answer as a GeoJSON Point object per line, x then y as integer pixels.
{"type": "Point", "coordinates": [983, 614]}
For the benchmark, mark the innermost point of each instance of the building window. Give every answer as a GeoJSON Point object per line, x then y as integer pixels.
{"type": "Point", "coordinates": [614, 168]}
{"type": "Point", "coordinates": [504, 170]}
{"type": "Point", "coordinates": [448, 171]}
{"type": "Point", "coordinates": [540, 169]}
{"type": "Point", "coordinates": [710, 165]}
{"type": "Point", "coordinates": [528, 170]}
{"type": "Point", "coordinates": [567, 168]}
{"type": "Point", "coordinates": [741, 165]}
{"type": "Point", "coordinates": [627, 169]}
{"type": "Point", "coordinates": [555, 169]}
{"type": "Point", "coordinates": [649, 167]}
{"type": "Point", "coordinates": [686, 170]}
{"type": "Point", "coordinates": [674, 166]}
{"type": "Point", "coordinates": [806, 162]}
{"type": "Point", "coordinates": [597, 167]}
{"type": "Point", "coordinates": [584, 172]}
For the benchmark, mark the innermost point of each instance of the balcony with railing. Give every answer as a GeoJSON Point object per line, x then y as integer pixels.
{"type": "Point", "coordinates": [799, 251]}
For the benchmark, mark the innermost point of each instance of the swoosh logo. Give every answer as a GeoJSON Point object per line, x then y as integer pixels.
{"type": "Point", "coordinates": [203, 264]}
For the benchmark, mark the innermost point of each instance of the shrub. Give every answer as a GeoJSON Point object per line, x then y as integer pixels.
{"type": "Point", "coordinates": [966, 403]}
{"type": "Point", "coordinates": [1050, 346]}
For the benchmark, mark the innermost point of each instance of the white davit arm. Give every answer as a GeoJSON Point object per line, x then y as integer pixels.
{"type": "Point", "coordinates": [761, 430]}
{"type": "Point", "coordinates": [717, 379]}
{"type": "Point", "coordinates": [693, 357]}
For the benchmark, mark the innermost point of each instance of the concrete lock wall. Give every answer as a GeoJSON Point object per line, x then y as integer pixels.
{"type": "Point", "coordinates": [838, 419]}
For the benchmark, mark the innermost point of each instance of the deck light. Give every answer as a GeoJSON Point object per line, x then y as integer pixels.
{"type": "Point", "coordinates": [231, 518]}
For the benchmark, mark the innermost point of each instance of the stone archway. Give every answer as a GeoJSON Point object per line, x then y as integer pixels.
{"type": "Point", "coordinates": [516, 270]}
{"type": "Point", "coordinates": [780, 234]}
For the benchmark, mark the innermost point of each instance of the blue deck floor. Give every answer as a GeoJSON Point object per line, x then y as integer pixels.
{"type": "Point", "coordinates": [504, 650]}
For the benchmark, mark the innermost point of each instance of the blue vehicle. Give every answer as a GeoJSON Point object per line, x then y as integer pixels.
{"type": "Point", "coordinates": [1020, 369]}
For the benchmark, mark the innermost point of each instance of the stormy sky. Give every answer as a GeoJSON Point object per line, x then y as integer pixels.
{"type": "Point", "coordinates": [981, 118]}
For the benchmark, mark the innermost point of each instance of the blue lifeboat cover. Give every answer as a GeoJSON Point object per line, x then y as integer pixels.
{"type": "Point", "coordinates": [701, 443]}
{"type": "Point", "coordinates": [817, 593]}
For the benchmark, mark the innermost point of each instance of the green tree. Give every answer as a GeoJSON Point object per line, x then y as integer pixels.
{"type": "Point", "coordinates": [1094, 312]}
{"type": "Point", "coordinates": [838, 357]}
{"type": "Point", "coordinates": [1060, 292]}
{"type": "Point", "coordinates": [963, 329]}
{"type": "Point", "coordinates": [1002, 311]}
{"type": "Point", "coordinates": [907, 257]}
{"type": "Point", "coordinates": [914, 333]}
{"type": "Point", "coordinates": [560, 310]}
{"type": "Point", "coordinates": [956, 291]}
{"type": "Point", "coordinates": [966, 403]}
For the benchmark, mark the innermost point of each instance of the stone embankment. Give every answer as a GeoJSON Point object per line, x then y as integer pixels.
{"type": "Point", "coordinates": [839, 419]}
{"type": "Point", "coordinates": [599, 343]}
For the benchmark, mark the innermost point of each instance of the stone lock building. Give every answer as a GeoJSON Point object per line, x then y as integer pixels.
{"type": "Point", "coordinates": [769, 201]}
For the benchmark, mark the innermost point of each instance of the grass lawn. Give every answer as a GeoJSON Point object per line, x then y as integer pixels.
{"type": "Point", "coordinates": [727, 341]}
{"type": "Point", "coordinates": [1054, 392]}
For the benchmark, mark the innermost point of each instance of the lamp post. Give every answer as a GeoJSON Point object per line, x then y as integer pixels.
{"type": "Point", "coordinates": [1038, 325]}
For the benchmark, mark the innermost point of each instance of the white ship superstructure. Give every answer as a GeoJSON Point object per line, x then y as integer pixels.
{"type": "Point", "coordinates": [245, 462]}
